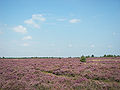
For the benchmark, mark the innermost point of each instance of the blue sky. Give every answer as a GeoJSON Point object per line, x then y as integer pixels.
{"type": "Point", "coordinates": [59, 27]}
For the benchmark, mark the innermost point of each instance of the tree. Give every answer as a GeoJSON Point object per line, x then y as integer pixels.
{"type": "Point", "coordinates": [109, 55]}
{"type": "Point", "coordinates": [115, 56]}
{"type": "Point", "coordinates": [87, 56]}
{"type": "Point", "coordinates": [92, 55]}
{"type": "Point", "coordinates": [83, 59]}
{"type": "Point", "coordinates": [104, 55]}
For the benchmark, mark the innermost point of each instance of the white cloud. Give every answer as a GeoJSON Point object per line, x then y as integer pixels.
{"type": "Point", "coordinates": [36, 25]}
{"type": "Point", "coordinates": [27, 38]}
{"type": "Point", "coordinates": [92, 46]}
{"type": "Point", "coordinates": [35, 19]}
{"type": "Point", "coordinates": [20, 29]}
{"type": "Point", "coordinates": [109, 46]}
{"type": "Point", "coordinates": [62, 19]}
{"type": "Point", "coordinates": [38, 17]}
{"type": "Point", "coordinates": [0, 32]}
{"type": "Point", "coordinates": [74, 20]}
{"type": "Point", "coordinates": [51, 23]}
{"type": "Point", "coordinates": [114, 33]}
{"type": "Point", "coordinates": [31, 22]}
{"type": "Point", "coordinates": [25, 44]}
{"type": "Point", "coordinates": [70, 45]}
{"type": "Point", "coordinates": [5, 25]}
{"type": "Point", "coordinates": [52, 45]}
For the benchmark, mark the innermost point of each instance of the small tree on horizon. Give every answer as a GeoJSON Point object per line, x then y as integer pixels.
{"type": "Point", "coordinates": [87, 56]}
{"type": "Point", "coordinates": [105, 55]}
{"type": "Point", "coordinates": [83, 59]}
{"type": "Point", "coordinates": [92, 55]}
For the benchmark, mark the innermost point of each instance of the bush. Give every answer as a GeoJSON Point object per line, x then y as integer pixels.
{"type": "Point", "coordinates": [83, 59]}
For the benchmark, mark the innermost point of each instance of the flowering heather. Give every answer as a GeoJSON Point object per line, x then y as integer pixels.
{"type": "Point", "coordinates": [60, 74]}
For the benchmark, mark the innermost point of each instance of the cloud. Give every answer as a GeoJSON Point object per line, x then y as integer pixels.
{"type": "Point", "coordinates": [114, 33]}
{"type": "Point", "coordinates": [25, 44]}
{"type": "Point", "coordinates": [35, 19]}
{"type": "Point", "coordinates": [27, 38]}
{"type": "Point", "coordinates": [51, 23]}
{"type": "Point", "coordinates": [20, 29]}
{"type": "Point", "coordinates": [109, 46]}
{"type": "Point", "coordinates": [62, 19]}
{"type": "Point", "coordinates": [74, 20]}
{"type": "Point", "coordinates": [52, 45]}
{"type": "Point", "coordinates": [31, 22]}
{"type": "Point", "coordinates": [92, 46]}
{"type": "Point", "coordinates": [0, 32]}
{"type": "Point", "coordinates": [70, 45]}
{"type": "Point", "coordinates": [38, 17]}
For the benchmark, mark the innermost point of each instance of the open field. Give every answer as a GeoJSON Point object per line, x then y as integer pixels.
{"type": "Point", "coordinates": [60, 74]}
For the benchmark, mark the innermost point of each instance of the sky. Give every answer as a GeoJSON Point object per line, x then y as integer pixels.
{"type": "Point", "coordinates": [59, 27]}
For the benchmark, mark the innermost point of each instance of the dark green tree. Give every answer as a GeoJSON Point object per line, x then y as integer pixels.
{"type": "Point", "coordinates": [87, 56]}
{"type": "Point", "coordinates": [92, 55]}
{"type": "Point", "coordinates": [104, 55]}
{"type": "Point", "coordinates": [83, 59]}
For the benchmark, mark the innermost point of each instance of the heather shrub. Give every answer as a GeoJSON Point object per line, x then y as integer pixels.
{"type": "Point", "coordinates": [41, 87]}
{"type": "Point", "coordinates": [83, 59]}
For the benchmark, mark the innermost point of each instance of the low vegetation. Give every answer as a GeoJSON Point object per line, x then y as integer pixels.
{"type": "Point", "coordinates": [60, 74]}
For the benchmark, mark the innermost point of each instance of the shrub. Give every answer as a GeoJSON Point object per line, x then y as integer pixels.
{"type": "Point", "coordinates": [83, 59]}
